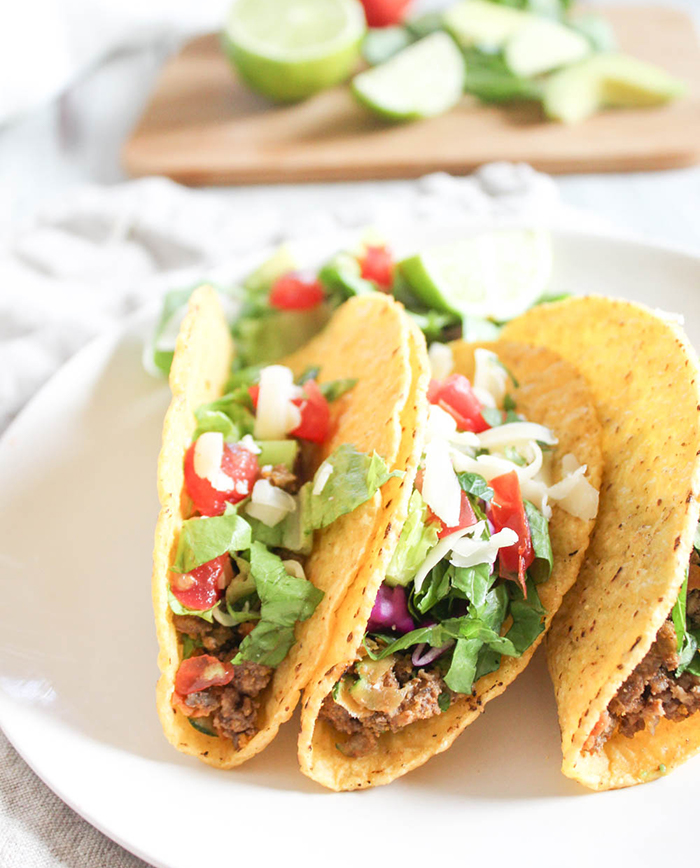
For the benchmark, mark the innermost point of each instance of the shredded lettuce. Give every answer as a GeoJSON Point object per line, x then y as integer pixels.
{"type": "Point", "coordinates": [284, 600]}
{"type": "Point", "coordinates": [355, 479]}
{"type": "Point", "coordinates": [541, 567]}
{"type": "Point", "coordinates": [232, 414]}
{"type": "Point", "coordinates": [203, 539]}
{"type": "Point", "coordinates": [687, 640]}
{"type": "Point", "coordinates": [415, 541]}
{"type": "Point", "coordinates": [476, 485]}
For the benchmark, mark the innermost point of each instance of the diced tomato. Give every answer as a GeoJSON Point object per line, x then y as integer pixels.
{"type": "Point", "coordinates": [202, 672]}
{"type": "Point", "coordinates": [377, 265]}
{"type": "Point", "coordinates": [508, 510]}
{"type": "Point", "coordinates": [382, 13]}
{"type": "Point", "coordinates": [238, 463]}
{"type": "Point", "coordinates": [201, 588]}
{"type": "Point", "coordinates": [254, 392]}
{"type": "Point", "coordinates": [294, 291]}
{"type": "Point", "coordinates": [315, 414]}
{"type": "Point", "coordinates": [466, 517]}
{"type": "Point", "coordinates": [456, 396]}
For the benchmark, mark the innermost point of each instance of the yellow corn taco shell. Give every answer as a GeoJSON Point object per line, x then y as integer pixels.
{"type": "Point", "coordinates": [550, 392]}
{"type": "Point", "coordinates": [644, 379]}
{"type": "Point", "coordinates": [367, 339]}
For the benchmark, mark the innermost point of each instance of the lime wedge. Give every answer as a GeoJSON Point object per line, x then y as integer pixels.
{"type": "Point", "coordinates": [485, 24]}
{"type": "Point", "coordinates": [423, 80]}
{"type": "Point", "coordinates": [495, 275]}
{"type": "Point", "coordinates": [291, 49]}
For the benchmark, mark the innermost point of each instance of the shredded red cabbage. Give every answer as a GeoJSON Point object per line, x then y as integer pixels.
{"type": "Point", "coordinates": [390, 611]}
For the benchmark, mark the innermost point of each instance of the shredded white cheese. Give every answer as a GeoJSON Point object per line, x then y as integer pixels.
{"type": "Point", "coordinates": [270, 504]}
{"type": "Point", "coordinates": [490, 378]}
{"type": "Point", "coordinates": [441, 489]}
{"type": "Point", "coordinates": [248, 443]}
{"type": "Point", "coordinates": [294, 568]}
{"type": "Point", "coordinates": [440, 424]}
{"type": "Point", "coordinates": [471, 550]}
{"type": "Point", "coordinates": [322, 476]}
{"type": "Point", "coordinates": [441, 360]}
{"type": "Point", "coordinates": [208, 452]}
{"type": "Point", "coordinates": [574, 493]}
{"type": "Point", "coordinates": [276, 415]}
{"type": "Point", "coordinates": [436, 554]}
{"type": "Point", "coordinates": [515, 434]}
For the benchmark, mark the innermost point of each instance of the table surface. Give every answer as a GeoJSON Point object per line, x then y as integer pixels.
{"type": "Point", "coordinates": [77, 139]}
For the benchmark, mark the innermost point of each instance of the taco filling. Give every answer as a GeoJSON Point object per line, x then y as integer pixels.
{"type": "Point", "coordinates": [461, 588]}
{"type": "Point", "coordinates": [238, 585]}
{"type": "Point", "coordinates": [666, 684]}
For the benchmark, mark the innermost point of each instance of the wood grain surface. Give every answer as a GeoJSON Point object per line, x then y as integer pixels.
{"type": "Point", "coordinates": [203, 126]}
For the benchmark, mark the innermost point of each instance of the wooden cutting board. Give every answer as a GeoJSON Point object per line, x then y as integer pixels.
{"type": "Point", "coordinates": [202, 126]}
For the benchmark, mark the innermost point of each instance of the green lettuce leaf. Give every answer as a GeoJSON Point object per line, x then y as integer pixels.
{"type": "Point", "coordinates": [284, 600]}
{"type": "Point", "coordinates": [474, 582]}
{"type": "Point", "coordinates": [528, 616]}
{"type": "Point", "coordinates": [341, 277]}
{"type": "Point", "coordinates": [415, 541]}
{"type": "Point", "coordinates": [203, 539]}
{"type": "Point", "coordinates": [476, 485]}
{"type": "Point", "coordinates": [355, 479]}
{"type": "Point", "coordinates": [686, 640]}
{"type": "Point", "coordinates": [541, 567]}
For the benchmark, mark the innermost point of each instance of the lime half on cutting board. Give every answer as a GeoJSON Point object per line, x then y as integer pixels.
{"type": "Point", "coordinates": [423, 80]}
{"type": "Point", "coordinates": [495, 275]}
{"type": "Point", "coordinates": [291, 49]}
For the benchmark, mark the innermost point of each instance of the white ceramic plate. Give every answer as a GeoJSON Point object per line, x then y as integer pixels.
{"type": "Point", "coordinates": [78, 659]}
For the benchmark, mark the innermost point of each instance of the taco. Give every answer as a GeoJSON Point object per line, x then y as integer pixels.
{"type": "Point", "coordinates": [274, 484]}
{"type": "Point", "coordinates": [622, 651]}
{"type": "Point", "coordinates": [499, 516]}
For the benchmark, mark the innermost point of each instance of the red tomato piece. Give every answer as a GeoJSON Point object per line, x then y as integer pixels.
{"type": "Point", "coordinates": [315, 414]}
{"type": "Point", "coordinates": [202, 587]}
{"type": "Point", "coordinates": [382, 13]}
{"type": "Point", "coordinates": [241, 467]}
{"type": "Point", "coordinates": [467, 518]}
{"type": "Point", "coordinates": [377, 265]}
{"type": "Point", "coordinates": [294, 291]}
{"type": "Point", "coordinates": [508, 510]}
{"type": "Point", "coordinates": [254, 392]}
{"type": "Point", "coordinates": [200, 673]}
{"type": "Point", "coordinates": [456, 396]}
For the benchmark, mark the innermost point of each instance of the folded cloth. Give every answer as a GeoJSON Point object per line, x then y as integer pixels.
{"type": "Point", "coordinates": [87, 261]}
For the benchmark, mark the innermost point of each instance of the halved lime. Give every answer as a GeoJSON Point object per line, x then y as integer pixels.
{"type": "Point", "coordinates": [425, 79]}
{"type": "Point", "coordinates": [291, 49]}
{"type": "Point", "coordinates": [496, 275]}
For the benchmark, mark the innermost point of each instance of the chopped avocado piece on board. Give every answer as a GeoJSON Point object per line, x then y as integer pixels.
{"type": "Point", "coordinates": [607, 80]}
{"type": "Point", "coordinates": [543, 45]}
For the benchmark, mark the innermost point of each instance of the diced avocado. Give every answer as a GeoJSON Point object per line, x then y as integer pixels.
{"type": "Point", "coordinates": [278, 452]}
{"type": "Point", "coordinates": [281, 261]}
{"type": "Point", "coordinates": [607, 80]}
{"type": "Point", "coordinates": [488, 25]}
{"type": "Point", "coordinates": [543, 45]}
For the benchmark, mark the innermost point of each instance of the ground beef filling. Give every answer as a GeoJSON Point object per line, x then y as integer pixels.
{"type": "Point", "coordinates": [421, 690]}
{"type": "Point", "coordinates": [652, 691]}
{"type": "Point", "coordinates": [232, 709]}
